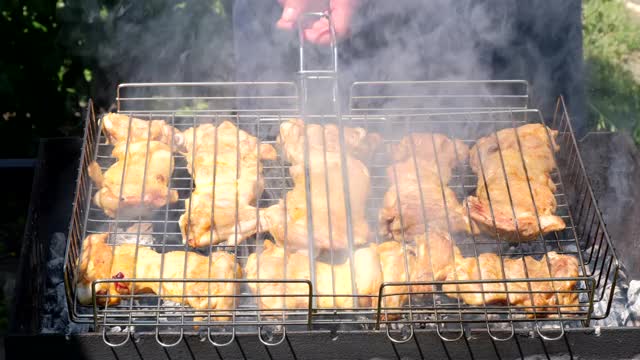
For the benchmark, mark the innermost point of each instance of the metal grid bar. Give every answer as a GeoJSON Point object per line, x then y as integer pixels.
{"type": "Point", "coordinates": [420, 97]}
{"type": "Point", "coordinates": [585, 236]}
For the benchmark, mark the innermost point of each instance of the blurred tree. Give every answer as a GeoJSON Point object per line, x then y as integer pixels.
{"type": "Point", "coordinates": [610, 36]}
{"type": "Point", "coordinates": [56, 55]}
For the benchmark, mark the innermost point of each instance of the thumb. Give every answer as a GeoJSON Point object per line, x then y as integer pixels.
{"type": "Point", "coordinates": [291, 10]}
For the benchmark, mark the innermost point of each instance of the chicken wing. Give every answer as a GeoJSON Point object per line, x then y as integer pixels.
{"type": "Point", "coordinates": [544, 296]}
{"type": "Point", "coordinates": [327, 185]}
{"type": "Point", "coordinates": [331, 280]}
{"type": "Point", "coordinates": [224, 162]}
{"type": "Point", "coordinates": [128, 261]}
{"type": "Point", "coordinates": [147, 167]}
{"type": "Point", "coordinates": [514, 196]}
{"type": "Point", "coordinates": [419, 193]}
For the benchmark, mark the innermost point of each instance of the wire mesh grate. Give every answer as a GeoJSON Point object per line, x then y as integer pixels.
{"type": "Point", "coordinates": [425, 303]}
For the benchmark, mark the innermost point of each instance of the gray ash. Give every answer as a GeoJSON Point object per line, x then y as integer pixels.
{"type": "Point", "coordinates": [55, 315]}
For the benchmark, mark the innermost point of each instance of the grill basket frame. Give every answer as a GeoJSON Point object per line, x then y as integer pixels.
{"type": "Point", "coordinates": [599, 263]}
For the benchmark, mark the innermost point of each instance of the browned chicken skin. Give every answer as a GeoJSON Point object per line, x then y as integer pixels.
{"type": "Point", "coordinates": [325, 138]}
{"type": "Point", "coordinates": [330, 279]}
{"type": "Point", "coordinates": [120, 127]}
{"type": "Point", "coordinates": [328, 201]}
{"type": "Point", "coordinates": [423, 166]}
{"type": "Point", "coordinates": [432, 258]}
{"type": "Point", "coordinates": [102, 261]}
{"type": "Point", "coordinates": [439, 259]}
{"type": "Point", "coordinates": [434, 255]}
{"type": "Point", "coordinates": [397, 265]}
{"type": "Point", "coordinates": [270, 265]}
{"type": "Point", "coordinates": [147, 167]}
{"type": "Point", "coordinates": [544, 295]}
{"type": "Point", "coordinates": [224, 162]}
{"type": "Point", "coordinates": [496, 155]}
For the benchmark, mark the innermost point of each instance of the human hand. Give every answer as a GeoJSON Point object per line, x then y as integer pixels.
{"type": "Point", "coordinates": [318, 32]}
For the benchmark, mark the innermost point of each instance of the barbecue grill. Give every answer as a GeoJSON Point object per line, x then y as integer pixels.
{"type": "Point", "coordinates": [465, 110]}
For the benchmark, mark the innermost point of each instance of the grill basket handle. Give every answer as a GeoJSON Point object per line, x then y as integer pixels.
{"type": "Point", "coordinates": [306, 75]}
{"type": "Point", "coordinates": [332, 43]}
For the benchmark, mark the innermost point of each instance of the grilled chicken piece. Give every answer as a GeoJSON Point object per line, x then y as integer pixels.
{"type": "Point", "coordinates": [102, 261]}
{"type": "Point", "coordinates": [336, 280]}
{"type": "Point", "coordinates": [120, 127]}
{"type": "Point", "coordinates": [431, 146]}
{"type": "Point", "coordinates": [411, 263]}
{"type": "Point", "coordinates": [328, 207]}
{"type": "Point", "coordinates": [325, 138]}
{"type": "Point", "coordinates": [545, 296]}
{"type": "Point", "coordinates": [328, 200]}
{"type": "Point", "coordinates": [224, 162]}
{"type": "Point", "coordinates": [147, 167]}
{"type": "Point", "coordinates": [429, 259]}
{"type": "Point", "coordinates": [537, 147]}
{"type": "Point", "coordinates": [398, 265]}
{"type": "Point", "coordinates": [330, 280]}
{"type": "Point", "coordinates": [436, 258]}
{"type": "Point", "coordinates": [270, 265]}
{"type": "Point", "coordinates": [435, 255]}
{"type": "Point", "coordinates": [524, 191]}
{"type": "Point", "coordinates": [423, 166]}
{"type": "Point", "coordinates": [146, 145]}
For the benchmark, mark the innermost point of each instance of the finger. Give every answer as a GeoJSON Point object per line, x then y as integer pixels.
{"type": "Point", "coordinates": [291, 10]}
{"type": "Point", "coordinates": [319, 33]}
{"type": "Point", "coordinates": [341, 14]}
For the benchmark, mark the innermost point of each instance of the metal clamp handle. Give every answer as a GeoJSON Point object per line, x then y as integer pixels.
{"type": "Point", "coordinates": [333, 42]}
{"type": "Point", "coordinates": [217, 344]}
{"type": "Point", "coordinates": [163, 344]}
{"type": "Point", "coordinates": [284, 336]}
{"type": "Point", "coordinates": [319, 74]}
{"type": "Point", "coordinates": [497, 338]}
{"type": "Point", "coordinates": [550, 338]}
{"type": "Point", "coordinates": [447, 339]}
{"type": "Point", "coordinates": [106, 341]}
{"type": "Point", "coordinates": [405, 338]}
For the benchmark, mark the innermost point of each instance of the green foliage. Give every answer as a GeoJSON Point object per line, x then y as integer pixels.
{"type": "Point", "coordinates": [34, 78]}
{"type": "Point", "coordinates": [610, 36]}
{"type": "Point", "coordinates": [57, 54]}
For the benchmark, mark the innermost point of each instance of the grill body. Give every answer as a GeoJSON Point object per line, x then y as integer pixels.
{"type": "Point", "coordinates": [61, 158]}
